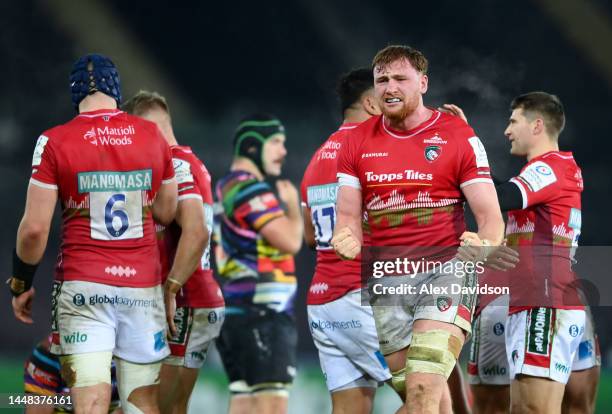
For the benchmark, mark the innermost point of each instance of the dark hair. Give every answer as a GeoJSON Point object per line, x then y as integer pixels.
{"type": "Point", "coordinates": [392, 53]}
{"type": "Point", "coordinates": [144, 101]}
{"type": "Point", "coordinates": [548, 106]}
{"type": "Point", "coordinates": [352, 85]}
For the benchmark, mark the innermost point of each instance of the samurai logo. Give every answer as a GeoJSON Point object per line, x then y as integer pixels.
{"type": "Point", "coordinates": [432, 152]}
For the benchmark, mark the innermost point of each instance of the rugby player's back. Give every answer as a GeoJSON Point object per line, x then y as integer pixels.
{"type": "Point", "coordinates": [107, 167]}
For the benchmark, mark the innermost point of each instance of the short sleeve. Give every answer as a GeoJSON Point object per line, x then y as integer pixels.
{"type": "Point", "coordinates": [258, 206]}
{"type": "Point", "coordinates": [347, 165]}
{"type": "Point", "coordinates": [44, 164]}
{"type": "Point", "coordinates": [538, 183]}
{"type": "Point", "coordinates": [184, 176]}
{"type": "Point", "coordinates": [473, 162]}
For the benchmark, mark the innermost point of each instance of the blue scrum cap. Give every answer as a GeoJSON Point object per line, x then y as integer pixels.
{"type": "Point", "coordinates": [94, 73]}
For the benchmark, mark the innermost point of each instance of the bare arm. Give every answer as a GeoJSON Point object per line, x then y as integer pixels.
{"type": "Point", "coordinates": [34, 228]}
{"type": "Point", "coordinates": [348, 238]}
{"type": "Point", "coordinates": [483, 202]}
{"type": "Point", "coordinates": [193, 240]}
{"type": "Point", "coordinates": [285, 232]}
{"type": "Point", "coordinates": [191, 245]}
{"type": "Point", "coordinates": [32, 237]}
{"type": "Point", "coordinates": [164, 206]}
{"type": "Point", "coordinates": [309, 231]}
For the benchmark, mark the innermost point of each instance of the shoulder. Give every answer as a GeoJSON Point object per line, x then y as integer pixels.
{"type": "Point", "coordinates": [455, 128]}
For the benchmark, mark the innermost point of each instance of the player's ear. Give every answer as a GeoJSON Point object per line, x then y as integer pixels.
{"type": "Point", "coordinates": [424, 84]}
{"type": "Point", "coordinates": [537, 126]}
{"type": "Point", "coordinates": [370, 104]}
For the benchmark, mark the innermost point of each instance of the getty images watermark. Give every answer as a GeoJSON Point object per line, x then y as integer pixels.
{"type": "Point", "coordinates": [413, 276]}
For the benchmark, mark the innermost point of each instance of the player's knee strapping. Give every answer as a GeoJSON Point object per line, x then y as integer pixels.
{"type": "Point", "coordinates": [433, 352]}
{"type": "Point", "coordinates": [131, 376]}
{"type": "Point", "coordinates": [398, 381]}
{"type": "Point", "coordinates": [84, 370]}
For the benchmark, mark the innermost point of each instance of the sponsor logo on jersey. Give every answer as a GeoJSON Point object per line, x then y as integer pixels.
{"type": "Point", "coordinates": [574, 331]}
{"type": "Point", "coordinates": [498, 329]}
{"type": "Point", "coordinates": [562, 368]}
{"type": "Point", "coordinates": [435, 140]}
{"type": "Point", "coordinates": [515, 356]}
{"type": "Point", "coordinates": [78, 299]}
{"type": "Point", "coordinates": [537, 176]}
{"type": "Point", "coordinates": [122, 301]}
{"type": "Point", "coordinates": [585, 349]}
{"type": "Point", "coordinates": [110, 136]}
{"type": "Point", "coordinates": [402, 175]}
{"type": "Point", "coordinates": [374, 154]}
{"type": "Point", "coordinates": [38, 150]}
{"type": "Point", "coordinates": [323, 325]}
{"type": "Point", "coordinates": [444, 303]}
{"type": "Point", "coordinates": [539, 331]}
{"type": "Point", "coordinates": [182, 171]}
{"type": "Point", "coordinates": [575, 219]}
{"type": "Point", "coordinates": [159, 342]}
{"type": "Point", "coordinates": [75, 338]}
{"type": "Point", "coordinates": [181, 322]}
{"type": "Point", "coordinates": [493, 370]}
{"type": "Point", "coordinates": [98, 181]}
{"type": "Point", "coordinates": [479, 152]}
{"type": "Point", "coordinates": [329, 151]}
{"type": "Point", "coordinates": [432, 152]}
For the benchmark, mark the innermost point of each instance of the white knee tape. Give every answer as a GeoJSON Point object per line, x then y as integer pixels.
{"type": "Point", "coordinates": [131, 376]}
{"type": "Point", "coordinates": [84, 370]}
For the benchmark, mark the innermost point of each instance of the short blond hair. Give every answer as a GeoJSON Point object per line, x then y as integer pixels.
{"type": "Point", "coordinates": [144, 101]}
{"type": "Point", "coordinates": [393, 53]}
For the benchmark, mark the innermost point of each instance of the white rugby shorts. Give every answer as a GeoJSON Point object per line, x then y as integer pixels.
{"type": "Point", "coordinates": [345, 335]}
{"type": "Point", "coordinates": [542, 342]}
{"type": "Point", "coordinates": [92, 317]}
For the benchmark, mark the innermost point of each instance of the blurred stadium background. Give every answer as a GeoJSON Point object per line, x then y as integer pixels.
{"type": "Point", "coordinates": [218, 61]}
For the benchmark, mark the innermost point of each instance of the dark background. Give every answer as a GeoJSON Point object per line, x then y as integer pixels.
{"type": "Point", "coordinates": [219, 61]}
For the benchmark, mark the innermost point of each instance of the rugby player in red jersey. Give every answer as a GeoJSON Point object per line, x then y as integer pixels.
{"type": "Point", "coordinates": [113, 175]}
{"type": "Point", "coordinates": [412, 169]}
{"type": "Point", "coordinates": [544, 208]}
{"type": "Point", "coordinates": [194, 300]}
{"type": "Point", "coordinates": [342, 329]}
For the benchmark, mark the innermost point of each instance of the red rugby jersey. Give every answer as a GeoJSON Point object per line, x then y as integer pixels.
{"type": "Point", "coordinates": [333, 276]}
{"type": "Point", "coordinates": [547, 228]}
{"type": "Point", "coordinates": [411, 181]}
{"type": "Point", "coordinates": [107, 167]}
{"type": "Point", "coordinates": [193, 179]}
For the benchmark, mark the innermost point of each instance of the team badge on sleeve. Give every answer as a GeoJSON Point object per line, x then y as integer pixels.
{"type": "Point", "coordinates": [38, 150]}
{"type": "Point", "coordinates": [479, 152]}
{"type": "Point", "coordinates": [182, 171]}
{"type": "Point", "coordinates": [538, 176]}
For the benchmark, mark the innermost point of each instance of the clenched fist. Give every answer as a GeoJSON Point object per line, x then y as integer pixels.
{"type": "Point", "coordinates": [346, 245]}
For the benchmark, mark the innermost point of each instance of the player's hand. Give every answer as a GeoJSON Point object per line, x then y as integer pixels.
{"type": "Point", "coordinates": [453, 110]}
{"type": "Point", "coordinates": [287, 193]}
{"type": "Point", "coordinates": [22, 306]}
{"type": "Point", "coordinates": [471, 248]}
{"type": "Point", "coordinates": [503, 258]}
{"type": "Point", "coordinates": [170, 305]}
{"type": "Point", "coordinates": [346, 245]}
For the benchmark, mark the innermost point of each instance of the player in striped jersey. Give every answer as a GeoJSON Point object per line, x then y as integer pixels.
{"type": "Point", "coordinates": [257, 240]}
